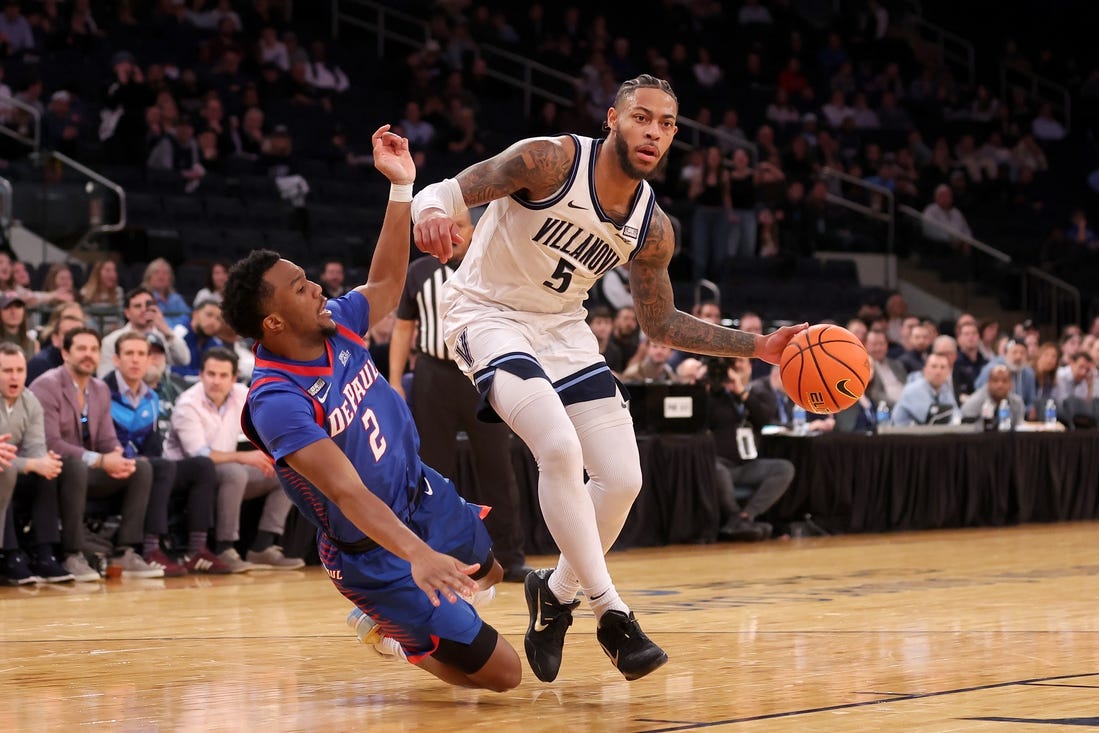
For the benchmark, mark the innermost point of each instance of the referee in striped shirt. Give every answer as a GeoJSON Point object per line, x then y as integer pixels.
{"type": "Point", "coordinates": [440, 420]}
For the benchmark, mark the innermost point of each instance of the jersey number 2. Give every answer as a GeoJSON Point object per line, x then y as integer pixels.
{"type": "Point", "coordinates": [563, 276]}
{"type": "Point", "coordinates": [377, 442]}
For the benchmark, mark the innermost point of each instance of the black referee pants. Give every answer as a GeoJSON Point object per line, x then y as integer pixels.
{"type": "Point", "coordinates": [444, 402]}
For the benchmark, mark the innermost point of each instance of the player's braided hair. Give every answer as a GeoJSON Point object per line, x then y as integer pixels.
{"type": "Point", "coordinates": [246, 292]}
{"type": "Point", "coordinates": [644, 81]}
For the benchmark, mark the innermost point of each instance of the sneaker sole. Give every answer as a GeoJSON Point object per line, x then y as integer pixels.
{"type": "Point", "coordinates": [59, 579]}
{"type": "Point", "coordinates": [142, 573]}
{"type": "Point", "coordinates": [636, 674]}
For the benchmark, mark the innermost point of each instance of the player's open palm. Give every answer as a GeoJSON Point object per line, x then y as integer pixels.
{"type": "Point", "coordinates": [770, 347]}
{"type": "Point", "coordinates": [436, 573]}
{"type": "Point", "coordinates": [391, 156]}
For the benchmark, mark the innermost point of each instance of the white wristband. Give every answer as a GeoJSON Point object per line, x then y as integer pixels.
{"type": "Point", "coordinates": [400, 192]}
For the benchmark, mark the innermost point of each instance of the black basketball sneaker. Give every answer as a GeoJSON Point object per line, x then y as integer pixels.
{"type": "Point", "coordinates": [549, 620]}
{"type": "Point", "coordinates": [633, 653]}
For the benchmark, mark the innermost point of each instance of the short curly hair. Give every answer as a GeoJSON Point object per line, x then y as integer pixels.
{"type": "Point", "coordinates": [246, 293]}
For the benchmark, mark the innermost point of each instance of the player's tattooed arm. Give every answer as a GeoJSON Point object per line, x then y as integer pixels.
{"type": "Point", "coordinates": [536, 167]}
{"type": "Point", "coordinates": [655, 304]}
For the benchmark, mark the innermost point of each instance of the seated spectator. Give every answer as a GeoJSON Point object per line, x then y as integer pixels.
{"type": "Point", "coordinates": [13, 325]}
{"type": "Point", "coordinates": [927, 400]}
{"type": "Point", "coordinates": [104, 295]}
{"type": "Point", "coordinates": [143, 314]}
{"type": "Point", "coordinates": [986, 399]}
{"type": "Point", "coordinates": [28, 476]}
{"type": "Point", "coordinates": [1023, 382]}
{"type": "Point", "coordinates": [918, 347]}
{"type": "Point", "coordinates": [1045, 126]}
{"type": "Point", "coordinates": [323, 74]}
{"type": "Point", "coordinates": [1045, 364]}
{"type": "Point", "coordinates": [178, 150]}
{"type": "Point", "coordinates": [206, 422]}
{"type": "Point", "coordinates": [77, 417]}
{"type": "Point", "coordinates": [600, 319]}
{"type": "Point", "coordinates": [625, 338]}
{"type": "Point", "coordinates": [216, 278]}
{"type": "Point", "coordinates": [61, 124]}
{"type": "Point", "coordinates": [1076, 379]}
{"type": "Point", "coordinates": [736, 403]}
{"type": "Point", "coordinates": [653, 365]}
{"type": "Point", "coordinates": [206, 323]}
{"type": "Point", "coordinates": [969, 362]}
{"type": "Point", "coordinates": [942, 221]}
{"type": "Point", "coordinates": [63, 319]}
{"type": "Point", "coordinates": [16, 34]}
{"type": "Point", "coordinates": [889, 374]}
{"type": "Point", "coordinates": [135, 410]}
{"type": "Point", "coordinates": [332, 277]}
{"type": "Point", "coordinates": [58, 285]}
{"type": "Point", "coordinates": [159, 279]}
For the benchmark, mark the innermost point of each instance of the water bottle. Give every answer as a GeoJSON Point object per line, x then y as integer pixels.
{"type": "Point", "coordinates": [1051, 411]}
{"type": "Point", "coordinates": [1003, 417]}
{"type": "Point", "coordinates": [799, 420]}
{"type": "Point", "coordinates": [883, 413]}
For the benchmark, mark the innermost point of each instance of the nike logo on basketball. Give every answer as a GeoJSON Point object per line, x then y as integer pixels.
{"type": "Point", "coordinates": [842, 388]}
{"type": "Point", "coordinates": [575, 206]}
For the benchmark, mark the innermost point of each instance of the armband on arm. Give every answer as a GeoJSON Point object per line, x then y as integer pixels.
{"type": "Point", "coordinates": [446, 196]}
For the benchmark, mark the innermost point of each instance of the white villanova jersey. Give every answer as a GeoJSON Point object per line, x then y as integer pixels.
{"type": "Point", "coordinates": [544, 256]}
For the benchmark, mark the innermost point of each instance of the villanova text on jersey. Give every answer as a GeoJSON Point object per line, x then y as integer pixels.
{"type": "Point", "coordinates": [583, 248]}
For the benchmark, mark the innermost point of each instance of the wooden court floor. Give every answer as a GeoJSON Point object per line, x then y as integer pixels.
{"type": "Point", "coordinates": [976, 630]}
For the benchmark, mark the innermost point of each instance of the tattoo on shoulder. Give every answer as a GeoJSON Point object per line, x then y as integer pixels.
{"type": "Point", "coordinates": [536, 167]}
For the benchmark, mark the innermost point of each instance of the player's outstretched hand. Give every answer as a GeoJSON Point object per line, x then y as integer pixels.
{"type": "Point", "coordinates": [391, 156]}
{"type": "Point", "coordinates": [769, 348]}
{"type": "Point", "coordinates": [436, 573]}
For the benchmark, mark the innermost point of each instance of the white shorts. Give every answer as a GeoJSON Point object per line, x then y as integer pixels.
{"type": "Point", "coordinates": [559, 348]}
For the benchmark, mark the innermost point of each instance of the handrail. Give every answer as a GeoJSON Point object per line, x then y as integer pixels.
{"type": "Point", "coordinates": [956, 234]}
{"type": "Point", "coordinates": [106, 182]}
{"type": "Point", "coordinates": [6, 210]}
{"type": "Point", "coordinates": [1040, 88]}
{"type": "Point", "coordinates": [35, 142]}
{"type": "Point", "coordinates": [526, 84]}
{"type": "Point", "coordinates": [952, 47]}
{"type": "Point", "coordinates": [1056, 284]}
{"type": "Point", "coordinates": [709, 285]}
{"type": "Point", "coordinates": [889, 216]}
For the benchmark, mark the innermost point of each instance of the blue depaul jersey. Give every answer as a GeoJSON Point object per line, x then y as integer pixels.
{"type": "Point", "coordinates": [341, 396]}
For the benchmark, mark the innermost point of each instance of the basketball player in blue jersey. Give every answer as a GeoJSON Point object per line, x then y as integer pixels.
{"type": "Point", "coordinates": [564, 211]}
{"type": "Point", "coordinates": [393, 535]}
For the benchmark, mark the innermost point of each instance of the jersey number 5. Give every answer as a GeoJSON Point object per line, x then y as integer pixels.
{"type": "Point", "coordinates": [562, 275]}
{"type": "Point", "coordinates": [377, 442]}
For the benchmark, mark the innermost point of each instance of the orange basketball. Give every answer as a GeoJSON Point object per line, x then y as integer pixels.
{"type": "Point", "coordinates": [825, 369]}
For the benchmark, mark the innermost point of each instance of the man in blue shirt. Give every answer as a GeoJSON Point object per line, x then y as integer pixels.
{"type": "Point", "coordinates": [928, 400]}
{"type": "Point", "coordinates": [135, 411]}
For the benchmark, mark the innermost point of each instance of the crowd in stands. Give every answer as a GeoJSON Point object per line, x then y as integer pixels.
{"type": "Point", "coordinates": [196, 93]}
{"type": "Point", "coordinates": [141, 422]}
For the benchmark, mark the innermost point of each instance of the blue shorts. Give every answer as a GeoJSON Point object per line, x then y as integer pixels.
{"type": "Point", "coordinates": [381, 584]}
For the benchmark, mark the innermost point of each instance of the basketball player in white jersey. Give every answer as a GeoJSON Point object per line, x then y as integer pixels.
{"type": "Point", "coordinates": [564, 211]}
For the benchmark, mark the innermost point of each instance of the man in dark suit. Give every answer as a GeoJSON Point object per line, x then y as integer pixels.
{"type": "Point", "coordinates": [889, 374]}
{"type": "Point", "coordinates": [77, 417]}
